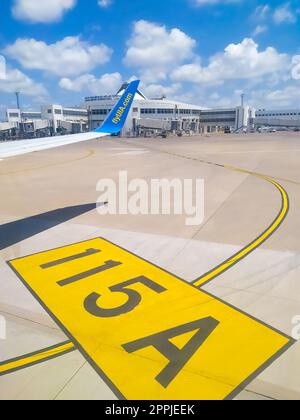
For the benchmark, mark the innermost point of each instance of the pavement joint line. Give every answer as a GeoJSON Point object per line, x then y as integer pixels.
{"type": "Point", "coordinates": [261, 395]}
{"type": "Point", "coordinates": [69, 380]}
{"type": "Point", "coordinates": [30, 321]}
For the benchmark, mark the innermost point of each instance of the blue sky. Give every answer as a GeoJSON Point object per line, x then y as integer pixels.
{"type": "Point", "coordinates": [201, 51]}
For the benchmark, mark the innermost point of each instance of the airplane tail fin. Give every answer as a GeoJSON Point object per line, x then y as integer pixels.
{"type": "Point", "coordinates": [117, 118]}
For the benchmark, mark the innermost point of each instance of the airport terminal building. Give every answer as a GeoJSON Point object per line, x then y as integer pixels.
{"type": "Point", "coordinates": [147, 118]}
{"type": "Point", "coordinates": [150, 116]}
{"type": "Point", "coordinates": [289, 118]}
{"type": "Point", "coordinates": [50, 120]}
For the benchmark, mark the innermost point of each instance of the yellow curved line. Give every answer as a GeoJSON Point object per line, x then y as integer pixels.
{"type": "Point", "coordinates": [89, 154]}
{"type": "Point", "coordinates": [35, 358]}
{"type": "Point", "coordinates": [44, 355]}
{"type": "Point", "coordinates": [257, 242]}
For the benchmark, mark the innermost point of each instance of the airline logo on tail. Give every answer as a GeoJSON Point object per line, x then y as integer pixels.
{"type": "Point", "coordinates": [115, 122]}
{"type": "Point", "coordinates": [122, 109]}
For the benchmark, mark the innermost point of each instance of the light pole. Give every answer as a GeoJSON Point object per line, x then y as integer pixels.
{"type": "Point", "coordinates": [18, 99]}
{"type": "Point", "coordinates": [242, 99]}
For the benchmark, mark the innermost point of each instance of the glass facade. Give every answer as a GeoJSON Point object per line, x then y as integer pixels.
{"type": "Point", "coordinates": [100, 111]}
{"type": "Point", "coordinates": [74, 113]}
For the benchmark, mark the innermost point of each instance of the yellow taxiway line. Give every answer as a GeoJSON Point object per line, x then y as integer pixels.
{"type": "Point", "coordinates": [63, 348]}
{"type": "Point", "coordinates": [235, 259]}
{"type": "Point", "coordinates": [32, 359]}
{"type": "Point", "coordinates": [50, 165]}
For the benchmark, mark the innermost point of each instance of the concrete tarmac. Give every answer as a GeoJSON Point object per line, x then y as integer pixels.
{"type": "Point", "coordinates": [239, 207]}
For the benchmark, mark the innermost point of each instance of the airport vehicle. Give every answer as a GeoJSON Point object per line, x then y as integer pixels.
{"type": "Point", "coordinates": [111, 126]}
{"type": "Point", "coordinates": [164, 134]}
{"type": "Point", "coordinates": [227, 130]}
{"type": "Point", "coordinates": [267, 130]}
{"type": "Point", "coordinates": [263, 129]}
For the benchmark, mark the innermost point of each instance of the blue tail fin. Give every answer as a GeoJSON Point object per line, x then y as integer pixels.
{"type": "Point", "coordinates": [117, 118]}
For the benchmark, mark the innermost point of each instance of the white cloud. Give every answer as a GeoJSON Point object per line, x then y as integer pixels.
{"type": "Point", "coordinates": [214, 2]}
{"type": "Point", "coordinates": [2, 68]}
{"type": "Point", "coordinates": [18, 81]}
{"type": "Point", "coordinates": [154, 50]}
{"type": "Point", "coordinates": [237, 62]}
{"type": "Point", "coordinates": [223, 101]}
{"type": "Point", "coordinates": [106, 84]}
{"type": "Point", "coordinates": [68, 57]}
{"type": "Point", "coordinates": [295, 73]}
{"type": "Point", "coordinates": [110, 83]}
{"type": "Point", "coordinates": [105, 3]}
{"type": "Point", "coordinates": [262, 12]}
{"type": "Point", "coordinates": [260, 29]}
{"type": "Point", "coordinates": [283, 97]}
{"type": "Point", "coordinates": [284, 14]}
{"type": "Point", "coordinates": [156, 90]}
{"type": "Point", "coordinates": [42, 11]}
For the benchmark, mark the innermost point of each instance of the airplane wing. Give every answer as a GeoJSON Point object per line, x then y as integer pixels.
{"type": "Point", "coordinates": [112, 125]}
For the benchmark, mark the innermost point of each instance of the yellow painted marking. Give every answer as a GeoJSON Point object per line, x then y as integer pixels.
{"type": "Point", "coordinates": [256, 243]}
{"type": "Point", "coordinates": [32, 359]}
{"type": "Point", "coordinates": [115, 323]}
{"type": "Point", "coordinates": [60, 349]}
{"type": "Point", "coordinates": [86, 156]}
